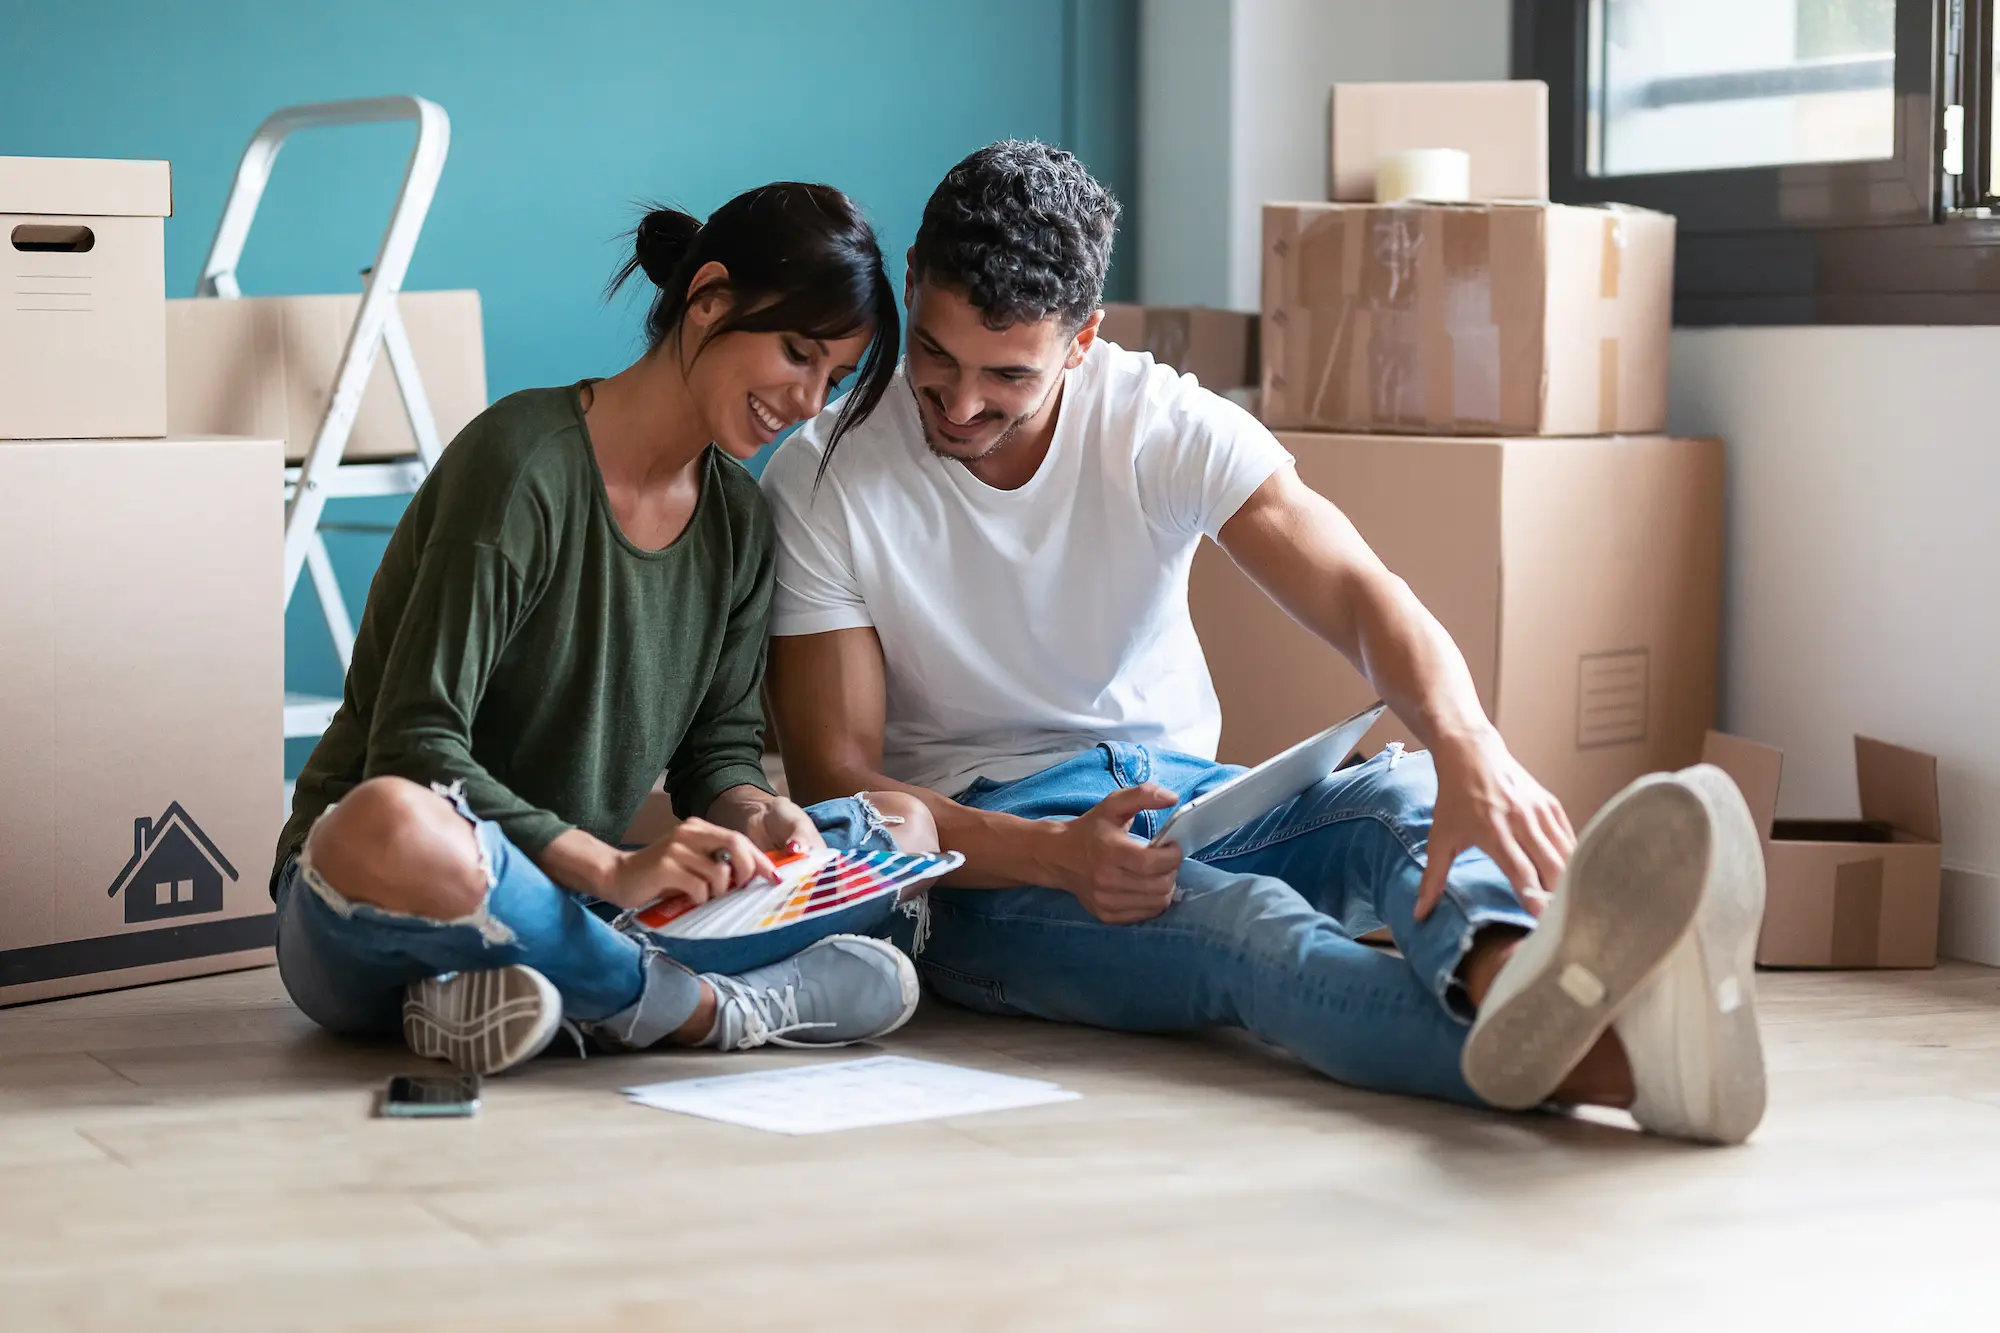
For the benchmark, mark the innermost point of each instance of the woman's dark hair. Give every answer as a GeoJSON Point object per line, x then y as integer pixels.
{"type": "Point", "coordinates": [801, 259]}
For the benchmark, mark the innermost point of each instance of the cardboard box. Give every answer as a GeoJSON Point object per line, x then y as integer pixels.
{"type": "Point", "coordinates": [141, 710]}
{"type": "Point", "coordinates": [1844, 892]}
{"type": "Point", "coordinates": [82, 334]}
{"type": "Point", "coordinates": [264, 366]}
{"type": "Point", "coordinates": [1482, 319]}
{"type": "Point", "coordinates": [1217, 347]}
{"type": "Point", "coordinates": [1503, 126]}
{"type": "Point", "coordinates": [1580, 578]}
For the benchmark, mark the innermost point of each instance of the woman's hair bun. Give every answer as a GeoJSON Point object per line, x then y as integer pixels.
{"type": "Point", "coordinates": [662, 241]}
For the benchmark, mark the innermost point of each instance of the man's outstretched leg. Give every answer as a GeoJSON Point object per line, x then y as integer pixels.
{"type": "Point", "coordinates": [1671, 852]}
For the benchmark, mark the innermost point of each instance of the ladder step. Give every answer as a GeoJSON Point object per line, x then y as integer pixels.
{"type": "Point", "coordinates": [308, 714]}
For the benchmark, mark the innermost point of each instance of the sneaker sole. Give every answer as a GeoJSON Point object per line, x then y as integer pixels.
{"type": "Point", "coordinates": [1725, 937]}
{"type": "Point", "coordinates": [906, 977]}
{"type": "Point", "coordinates": [482, 1022]}
{"type": "Point", "coordinates": [1632, 891]}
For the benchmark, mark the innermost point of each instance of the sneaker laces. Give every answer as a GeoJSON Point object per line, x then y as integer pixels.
{"type": "Point", "coordinates": [769, 1016]}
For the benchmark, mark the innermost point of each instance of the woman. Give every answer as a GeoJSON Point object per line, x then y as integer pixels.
{"type": "Point", "coordinates": [574, 602]}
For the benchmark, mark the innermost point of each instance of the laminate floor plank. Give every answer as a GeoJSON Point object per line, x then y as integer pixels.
{"type": "Point", "coordinates": [196, 1155]}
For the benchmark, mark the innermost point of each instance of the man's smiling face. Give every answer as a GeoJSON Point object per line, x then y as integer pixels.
{"type": "Point", "coordinates": [978, 387]}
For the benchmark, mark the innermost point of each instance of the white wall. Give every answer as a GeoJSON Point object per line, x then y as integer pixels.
{"type": "Point", "coordinates": [1864, 566]}
{"type": "Point", "coordinates": [1233, 107]}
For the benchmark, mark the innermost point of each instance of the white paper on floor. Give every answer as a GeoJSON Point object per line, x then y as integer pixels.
{"type": "Point", "coordinates": [851, 1094]}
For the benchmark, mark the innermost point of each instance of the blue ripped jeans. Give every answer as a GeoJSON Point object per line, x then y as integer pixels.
{"type": "Point", "coordinates": [345, 964]}
{"type": "Point", "coordinates": [1261, 934]}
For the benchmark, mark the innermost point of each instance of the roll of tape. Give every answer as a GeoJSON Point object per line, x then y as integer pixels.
{"type": "Point", "coordinates": [1442, 174]}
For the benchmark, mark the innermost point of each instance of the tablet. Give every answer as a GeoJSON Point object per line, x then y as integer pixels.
{"type": "Point", "coordinates": [1222, 810]}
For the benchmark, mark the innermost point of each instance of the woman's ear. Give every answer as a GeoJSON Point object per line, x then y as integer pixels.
{"type": "Point", "coordinates": [708, 295]}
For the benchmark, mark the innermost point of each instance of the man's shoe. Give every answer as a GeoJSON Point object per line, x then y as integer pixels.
{"type": "Point", "coordinates": [839, 990]}
{"type": "Point", "coordinates": [482, 1022]}
{"type": "Point", "coordinates": [1627, 897]}
{"type": "Point", "coordinates": [1690, 1034]}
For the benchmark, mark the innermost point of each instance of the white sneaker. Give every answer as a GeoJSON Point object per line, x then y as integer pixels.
{"type": "Point", "coordinates": [1690, 1033]}
{"type": "Point", "coordinates": [482, 1022]}
{"type": "Point", "coordinates": [1627, 897]}
{"type": "Point", "coordinates": [834, 992]}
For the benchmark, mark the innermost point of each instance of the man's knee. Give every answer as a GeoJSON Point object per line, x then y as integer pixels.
{"type": "Point", "coordinates": [394, 844]}
{"type": "Point", "coordinates": [917, 831]}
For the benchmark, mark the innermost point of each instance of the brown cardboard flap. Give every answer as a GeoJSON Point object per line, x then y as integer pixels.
{"type": "Point", "coordinates": [1857, 913]}
{"type": "Point", "coordinates": [1898, 787]}
{"type": "Point", "coordinates": [1754, 768]}
{"type": "Point", "coordinates": [86, 187]}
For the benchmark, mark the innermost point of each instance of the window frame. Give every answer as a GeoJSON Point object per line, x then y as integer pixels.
{"type": "Point", "coordinates": [1893, 241]}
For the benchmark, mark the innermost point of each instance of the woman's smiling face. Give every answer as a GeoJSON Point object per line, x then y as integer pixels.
{"type": "Point", "coordinates": [752, 387]}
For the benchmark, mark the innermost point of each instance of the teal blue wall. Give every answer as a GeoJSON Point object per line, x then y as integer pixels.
{"type": "Point", "coordinates": [562, 115]}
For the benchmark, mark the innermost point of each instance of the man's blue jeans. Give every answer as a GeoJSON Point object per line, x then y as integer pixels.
{"type": "Point", "coordinates": [345, 964]}
{"type": "Point", "coordinates": [1261, 932]}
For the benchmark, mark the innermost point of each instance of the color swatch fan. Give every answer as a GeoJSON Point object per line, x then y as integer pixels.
{"type": "Point", "coordinates": [817, 894]}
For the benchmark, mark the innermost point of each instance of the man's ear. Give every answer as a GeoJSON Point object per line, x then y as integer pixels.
{"type": "Point", "coordinates": [910, 278]}
{"type": "Point", "coordinates": [1079, 346]}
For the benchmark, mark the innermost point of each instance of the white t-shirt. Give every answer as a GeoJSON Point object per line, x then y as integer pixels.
{"type": "Point", "coordinates": [1022, 627]}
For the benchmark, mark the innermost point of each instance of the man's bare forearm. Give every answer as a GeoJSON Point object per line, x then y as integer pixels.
{"type": "Point", "coordinates": [1305, 554]}
{"type": "Point", "coordinates": [1413, 664]}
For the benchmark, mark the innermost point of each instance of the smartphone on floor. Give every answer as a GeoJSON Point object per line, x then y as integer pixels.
{"type": "Point", "coordinates": [427, 1095]}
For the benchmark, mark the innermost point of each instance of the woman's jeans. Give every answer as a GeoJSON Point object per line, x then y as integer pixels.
{"type": "Point", "coordinates": [1261, 932]}
{"type": "Point", "coordinates": [346, 963]}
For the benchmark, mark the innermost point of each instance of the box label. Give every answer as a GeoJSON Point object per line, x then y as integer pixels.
{"type": "Point", "coordinates": [1611, 698]}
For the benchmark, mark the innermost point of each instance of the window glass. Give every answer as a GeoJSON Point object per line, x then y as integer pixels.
{"type": "Point", "coordinates": [1695, 85]}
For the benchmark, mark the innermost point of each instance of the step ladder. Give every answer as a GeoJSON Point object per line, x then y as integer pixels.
{"type": "Point", "coordinates": [378, 326]}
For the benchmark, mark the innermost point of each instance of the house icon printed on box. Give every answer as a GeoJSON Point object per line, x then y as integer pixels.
{"type": "Point", "coordinates": [174, 871]}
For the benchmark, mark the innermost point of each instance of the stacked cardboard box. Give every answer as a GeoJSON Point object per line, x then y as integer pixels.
{"type": "Point", "coordinates": [1217, 347]}
{"type": "Point", "coordinates": [141, 671]}
{"type": "Point", "coordinates": [1480, 386]}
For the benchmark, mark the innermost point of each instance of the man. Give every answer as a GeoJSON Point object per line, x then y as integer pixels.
{"type": "Point", "coordinates": [982, 601]}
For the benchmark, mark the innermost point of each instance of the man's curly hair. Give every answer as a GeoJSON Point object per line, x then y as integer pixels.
{"type": "Point", "coordinates": [1023, 230]}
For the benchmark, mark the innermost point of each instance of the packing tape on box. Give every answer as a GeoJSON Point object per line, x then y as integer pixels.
{"type": "Point", "coordinates": [1610, 271]}
{"type": "Point", "coordinates": [1412, 338]}
{"type": "Point", "coordinates": [1857, 914]}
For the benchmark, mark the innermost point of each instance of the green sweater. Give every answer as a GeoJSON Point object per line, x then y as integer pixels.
{"type": "Point", "coordinates": [516, 642]}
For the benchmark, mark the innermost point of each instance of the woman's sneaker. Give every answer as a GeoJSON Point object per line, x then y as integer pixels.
{"type": "Point", "coordinates": [482, 1022]}
{"type": "Point", "coordinates": [1690, 1034]}
{"type": "Point", "coordinates": [839, 990]}
{"type": "Point", "coordinates": [1625, 901]}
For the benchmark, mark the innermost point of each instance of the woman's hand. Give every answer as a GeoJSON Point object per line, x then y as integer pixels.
{"type": "Point", "coordinates": [686, 864]}
{"type": "Point", "coordinates": [779, 825]}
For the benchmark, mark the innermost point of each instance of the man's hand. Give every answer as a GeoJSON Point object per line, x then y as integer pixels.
{"type": "Point", "coordinates": [684, 864]}
{"type": "Point", "coordinates": [1120, 879]}
{"type": "Point", "coordinates": [779, 825]}
{"type": "Point", "coordinates": [1488, 801]}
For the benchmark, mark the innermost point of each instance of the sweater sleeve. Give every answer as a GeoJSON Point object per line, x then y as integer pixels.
{"type": "Point", "coordinates": [724, 744]}
{"type": "Point", "coordinates": [463, 605]}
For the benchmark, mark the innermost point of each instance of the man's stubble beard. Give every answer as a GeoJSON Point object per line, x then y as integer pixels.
{"type": "Point", "coordinates": [1001, 441]}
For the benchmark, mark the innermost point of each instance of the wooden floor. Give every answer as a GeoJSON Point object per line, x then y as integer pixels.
{"type": "Point", "coordinates": [196, 1156]}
